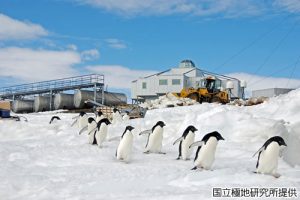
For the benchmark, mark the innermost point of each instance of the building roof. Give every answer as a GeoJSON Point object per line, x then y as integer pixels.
{"type": "Point", "coordinates": [188, 66]}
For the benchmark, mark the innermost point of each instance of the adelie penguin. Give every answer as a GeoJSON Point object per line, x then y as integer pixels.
{"type": "Point", "coordinates": [125, 146]}
{"type": "Point", "coordinates": [185, 141]}
{"type": "Point", "coordinates": [81, 119]}
{"type": "Point", "coordinates": [267, 161]}
{"type": "Point", "coordinates": [205, 154]}
{"type": "Point", "coordinates": [99, 116]}
{"type": "Point", "coordinates": [126, 116]}
{"type": "Point", "coordinates": [155, 137]}
{"type": "Point", "coordinates": [116, 116]}
{"type": "Point", "coordinates": [53, 119]}
{"type": "Point", "coordinates": [90, 127]}
{"type": "Point", "coordinates": [100, 132]}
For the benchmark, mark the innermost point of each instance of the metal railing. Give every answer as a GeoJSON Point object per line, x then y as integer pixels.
{"type": "Point", "coordinates": [77, 82]}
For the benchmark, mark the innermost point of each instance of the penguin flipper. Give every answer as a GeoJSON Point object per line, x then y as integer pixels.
{"type": "Point", "coordinates": [114, 138]}
{"type": "Point", "coordinates": [92, 131]}
{"type": "Point", "coordinates": [76, 117]}
{"type": "Point", "coordinates": [178, 140]}
{"type": "Point", "coordinates": [83, 129]}
{"type": "Point", "coordinates": [259, 150]}
{"type": "Point", "coordinates": [145, 132]}
{"type": "Point", "coordinates": [74, 123]}
{"type": "Point", "coordinates": [196, 144]}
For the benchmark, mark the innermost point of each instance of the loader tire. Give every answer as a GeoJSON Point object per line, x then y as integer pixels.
{"type": "Point", "coordinates": [215, 100]}
{"type": "Point", "coordinates": [194, 96]}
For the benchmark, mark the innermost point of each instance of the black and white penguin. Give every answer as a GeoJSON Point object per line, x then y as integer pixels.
{"type": "Point", "coordinates": [155, 137]}
{"type": "Point", "coordinates": [186, 140]}
{"type": "Point", "coordinates": [126, 116]}
{"type": "Point", "coordinates": [116, 116]}
{"type": "Point", "coordinates": [89, 128]}
{"type": "Point", "coordinates": [205, 154]}
{"type": "Point", "coordinates": [101, 131]}
{"type": "Point", "coordinates": [267, 161]}
{"type": "Point", "coordinates": [54, 118]}
{"type": "Point", "coordinates": [125, 146]}
{"type": "Point", "coordinates": [81, 120]}
{"type": "Point", "coordinates": [99, 116]}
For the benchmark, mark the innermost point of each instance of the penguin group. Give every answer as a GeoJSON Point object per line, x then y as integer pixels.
{"type": "Point", "coordinates": [97, 130]}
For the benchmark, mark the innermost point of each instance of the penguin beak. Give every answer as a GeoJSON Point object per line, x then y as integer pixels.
{"type": "Point", "coordinates": [284, 144]}
{"type": "Point", "coordinates": [221, 138]}
{"type": "Point", "coordinates": [196, 130]}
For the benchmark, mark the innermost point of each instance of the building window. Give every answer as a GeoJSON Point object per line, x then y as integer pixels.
{"type": "Point", "coordinates": [175, 81]}
{"type": "Point", "coordinates": [144, 85]}
{"type": "Point", "coordinates": [163, 82]}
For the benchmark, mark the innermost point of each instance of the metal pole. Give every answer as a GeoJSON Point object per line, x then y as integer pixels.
{"type": "Point", "coordinates": [95, 92]}
{"type": "Point", "coordinates": [50, 100]}
{"type": "Point", "coordinates": [95, 95]}
{"type": "Point", "coordinates": [102, 95]}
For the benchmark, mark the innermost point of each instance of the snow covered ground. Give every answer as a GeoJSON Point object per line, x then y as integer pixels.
{"type": "Point", "coordinates": [43, 161]}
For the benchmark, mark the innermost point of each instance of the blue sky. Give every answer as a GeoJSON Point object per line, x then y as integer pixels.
{"type": "Point", "coordinates": [250, 39]}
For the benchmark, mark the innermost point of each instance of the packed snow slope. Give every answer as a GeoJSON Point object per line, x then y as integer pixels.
{"type": "Point", "coordinates": [43, 161]}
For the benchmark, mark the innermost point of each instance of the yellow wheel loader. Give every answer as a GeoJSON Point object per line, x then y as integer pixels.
{"type": "Point", "coordinates": [208, 92]}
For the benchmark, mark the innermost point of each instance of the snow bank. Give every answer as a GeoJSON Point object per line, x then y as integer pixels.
{"type": "Point", "coordinates": [249, 102]}
{"type": "Point", "coordinates": [42, 161]}
{"type": "Point", "coordinates": [168, 100]}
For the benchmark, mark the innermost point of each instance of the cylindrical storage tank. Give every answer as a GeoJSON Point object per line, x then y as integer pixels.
{"type": "Point", "coordinates": [41, 103]}
{"type": "Point", "coordinates": [22, 106]}
{"type": "Point", "coordinates": [63, 101]}
{"type": "Point", "coordinates": [114, 98]}
{"type": "Point", "coordinates": [110, 98]}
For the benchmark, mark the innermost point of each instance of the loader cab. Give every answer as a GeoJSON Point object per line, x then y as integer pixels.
{"type": "Point", "coordinates": [212, 84]}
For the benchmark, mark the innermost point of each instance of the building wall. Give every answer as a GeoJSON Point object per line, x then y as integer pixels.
{"type": "Point", "coordinates": [271, 92]}
{"type": "Point", "coordinates": [189, 77]}
{"type": "Point", "coordinates": [153, 87]}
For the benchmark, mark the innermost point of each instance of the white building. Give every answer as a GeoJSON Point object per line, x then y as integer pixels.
{"type": "Point", "coordinates": [175, 79]}
{"type": "Point", "coordinates": [270, 92]}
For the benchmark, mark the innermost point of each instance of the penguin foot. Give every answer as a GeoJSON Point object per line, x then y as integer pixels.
{"type": "Point", "coordinates": [276, 175]}
{"type": "Point", "coordinates": [194, 168]}
{"type": "Point", "coordinates": [147, 152]}
{"type": "Point", "coordinates": [178, 158]}
{"type": "Point", "coordinates": [162, 153]}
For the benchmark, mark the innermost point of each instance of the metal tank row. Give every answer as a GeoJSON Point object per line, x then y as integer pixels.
{"type": "Point", "coordinates": [67, 101]}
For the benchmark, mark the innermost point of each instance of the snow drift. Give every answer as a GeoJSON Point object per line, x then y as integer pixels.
{"type": "Point", "coordinates": [43, 161]}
